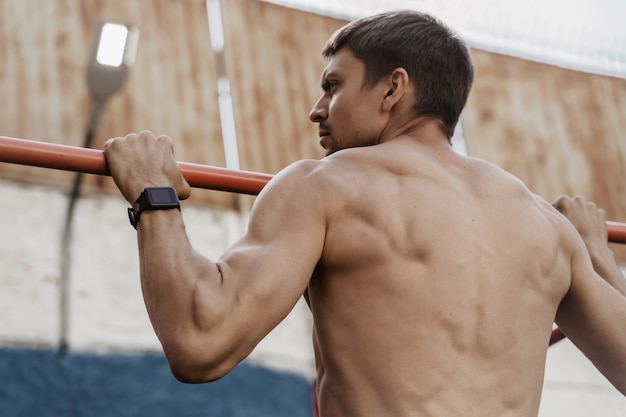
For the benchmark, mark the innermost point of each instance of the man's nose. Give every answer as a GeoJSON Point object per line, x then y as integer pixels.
{"type": "Point", "coordinates": [318, 112]}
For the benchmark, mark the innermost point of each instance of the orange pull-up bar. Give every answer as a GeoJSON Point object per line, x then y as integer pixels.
{"type": "Point", "coordinates": [92, 161]}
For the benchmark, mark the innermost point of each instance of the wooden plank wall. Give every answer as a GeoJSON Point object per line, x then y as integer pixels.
{"type": "Point", "coordinates": [561, 131]}
{"type": "Point", "coordinates": [170, 90]}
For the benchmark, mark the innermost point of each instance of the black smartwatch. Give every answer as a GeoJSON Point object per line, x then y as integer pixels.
{"type": "Point", "coordinates": [153, 198]}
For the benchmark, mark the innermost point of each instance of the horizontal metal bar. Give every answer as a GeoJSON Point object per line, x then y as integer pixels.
{"type": "Point", "coordinates": [92, 161]}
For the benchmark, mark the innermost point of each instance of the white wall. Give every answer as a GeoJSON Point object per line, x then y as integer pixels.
{"type": "Point", "coordinates": [574, 388]}
{"type": "Point", "coordinates": [107, 311]}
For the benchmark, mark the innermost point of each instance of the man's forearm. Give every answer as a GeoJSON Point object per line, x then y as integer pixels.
{"type": "Point", "coordinates": [166, 284]}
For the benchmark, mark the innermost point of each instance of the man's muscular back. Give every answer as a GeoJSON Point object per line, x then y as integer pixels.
{"type": "Point", "coordinates": [425, 299]}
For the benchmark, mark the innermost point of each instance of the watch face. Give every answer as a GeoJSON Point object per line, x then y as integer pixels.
{"type": "Point", "coordinates": [161, 196]}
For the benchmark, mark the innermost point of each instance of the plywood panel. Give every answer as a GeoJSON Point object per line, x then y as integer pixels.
{"type": "Point", "coordinates": [561, 131]}
{"type": "Point", "coordinates": [274, 62]}
{"type": "Point", "coordinates": [170, 90]}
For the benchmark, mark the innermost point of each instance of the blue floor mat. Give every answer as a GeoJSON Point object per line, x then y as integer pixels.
{"type": "Point", "coordinates": [46, 383]}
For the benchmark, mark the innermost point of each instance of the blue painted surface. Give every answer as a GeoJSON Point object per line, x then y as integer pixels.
{"type": "Point", "coordinates": [45, 383]}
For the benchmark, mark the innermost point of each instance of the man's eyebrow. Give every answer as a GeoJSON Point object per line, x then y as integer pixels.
{"type": "Point", "coordinates": [330, 73]}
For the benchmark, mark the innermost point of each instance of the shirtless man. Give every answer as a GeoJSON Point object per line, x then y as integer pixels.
{"type": "Point", "coordinates": [433, 278]}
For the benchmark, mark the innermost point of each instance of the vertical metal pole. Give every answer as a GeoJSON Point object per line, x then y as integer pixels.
{"type": "Point", "coordinates": [225, 103]}
{"type": "Point", "coordinates": [66, 239]}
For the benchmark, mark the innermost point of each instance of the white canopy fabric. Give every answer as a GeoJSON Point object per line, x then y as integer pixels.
{"type": "Point", "coordinates": [583, 35]}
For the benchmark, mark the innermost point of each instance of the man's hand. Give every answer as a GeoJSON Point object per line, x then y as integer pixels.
{"type": "Point", "coordinates": [590, 221]}
{"type": "Point", "coordinates": [140, 161]}
{"type": "Point", "coordinates": [587, 218]}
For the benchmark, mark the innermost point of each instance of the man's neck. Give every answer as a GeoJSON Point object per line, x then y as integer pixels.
{"type": "Point", "coordinates": [422, 129]}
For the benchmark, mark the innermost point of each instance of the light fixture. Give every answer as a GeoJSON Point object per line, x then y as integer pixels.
{"type": "Point", "coordinates": [113, 51]}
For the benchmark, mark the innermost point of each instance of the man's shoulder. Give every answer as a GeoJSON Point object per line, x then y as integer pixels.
{"type": "Point", "coordinates": [301, 177]}
{"type": "Point", "coordinates": [324, 170]}
{"type": "Point", "coordinates": [302, 170]}
{"type": "Point", "coordinates": [328, 181]}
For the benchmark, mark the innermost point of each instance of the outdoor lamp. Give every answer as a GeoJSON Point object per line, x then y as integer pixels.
{"type": "Point", "coordinates": [112, 53]}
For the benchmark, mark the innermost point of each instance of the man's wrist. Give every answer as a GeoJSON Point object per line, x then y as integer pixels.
{"type": "Point", "coordinates": [153, 198]}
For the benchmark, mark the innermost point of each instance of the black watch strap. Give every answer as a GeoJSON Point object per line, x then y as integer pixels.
{"type": "Point", "coordinates": [153, 198]}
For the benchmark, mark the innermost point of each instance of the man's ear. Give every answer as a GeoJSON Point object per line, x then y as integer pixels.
{"type": "Point", "coordinates": [398, 82]}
